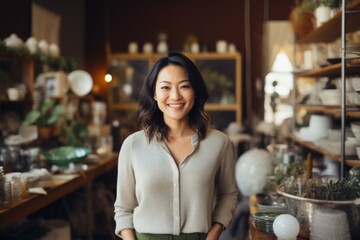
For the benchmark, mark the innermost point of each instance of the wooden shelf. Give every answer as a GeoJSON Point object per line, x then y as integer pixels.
{"type": "Point", "coordinates": [353, 163]}
{"type": "Point", "coordinates": [349, 161]}
{"type": "Point", "coordinates": [61, 186]}
{"type": "Point", "coordinates": [331, 30]}
{"type": "Point", "coordinates": [329, 71]}
{"type": "Point", "coordinates": [334, 111]}
{"type": "Point", "coordinates": [220, 107]}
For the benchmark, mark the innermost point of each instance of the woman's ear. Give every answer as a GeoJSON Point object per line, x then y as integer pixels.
{"type": "Point", "coordinates": [155, 97]}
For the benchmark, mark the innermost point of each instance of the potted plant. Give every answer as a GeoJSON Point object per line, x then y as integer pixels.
{"type": "Point", "coordinates": [302, 19]}
{"type": "Point", "coordinates": [323, 9]}
{"type": "Point", "coordinates": [45, 117]}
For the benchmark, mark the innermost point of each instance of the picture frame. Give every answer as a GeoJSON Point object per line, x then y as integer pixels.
{"type": "Point", "coordinates": [55, 84]}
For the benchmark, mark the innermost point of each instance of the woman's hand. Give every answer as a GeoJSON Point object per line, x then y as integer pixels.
{"type": "Point", "coordinates": [128, 234]}
{"type": "Point", "coordinates": [215, 231]}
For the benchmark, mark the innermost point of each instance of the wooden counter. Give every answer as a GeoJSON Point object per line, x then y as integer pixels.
{"type": "Point", "coordinates": [61, 185]}
{"type": "Point", "coordinates": [255, 233]}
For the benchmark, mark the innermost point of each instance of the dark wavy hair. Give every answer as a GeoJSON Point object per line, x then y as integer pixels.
{"type": "Point", "coordinates": [151, 119]}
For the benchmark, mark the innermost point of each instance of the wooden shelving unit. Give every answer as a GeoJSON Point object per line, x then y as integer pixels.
{"type": "Point", "coordinates": [327, 33]}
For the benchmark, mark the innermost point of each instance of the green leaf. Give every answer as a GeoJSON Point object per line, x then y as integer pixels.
{"type": "Point", "coordinates": [31, 118]}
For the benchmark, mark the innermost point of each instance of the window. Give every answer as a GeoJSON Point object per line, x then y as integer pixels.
{"type": "Point", "coordinates": [278, 88]}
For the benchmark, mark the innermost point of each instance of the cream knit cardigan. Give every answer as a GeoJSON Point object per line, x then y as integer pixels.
{"type": "Point", "coordinates": [154, 195]}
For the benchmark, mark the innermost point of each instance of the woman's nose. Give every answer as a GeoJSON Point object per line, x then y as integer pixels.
{"type": "Point", "coordinates": [175, 94]}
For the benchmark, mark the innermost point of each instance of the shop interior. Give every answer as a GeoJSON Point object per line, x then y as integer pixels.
{"type": "Point", "coordinates": [284, 85]}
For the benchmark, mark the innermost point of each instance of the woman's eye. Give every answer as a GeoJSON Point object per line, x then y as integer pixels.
{"type": "Point", "coordinates": [164, 87]}
{"type": "Point", "coordinates": [185, 86]}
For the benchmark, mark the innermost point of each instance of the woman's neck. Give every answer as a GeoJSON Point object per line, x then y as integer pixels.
{"type": "Point", "coordinates": [178, 129]}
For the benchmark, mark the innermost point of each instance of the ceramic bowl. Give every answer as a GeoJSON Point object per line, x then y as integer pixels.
{"type": "Point", "coordinates": [334, 134]}
{"type": "Point", "coordinates": [355, 82]}
{"type": "Point", "coordinates": [63, 156]}
{"type": "Point", "coordinates": [353, 98]}
{"type": "Point", "coordinates": [330, 97]}
{"type": "Point", "coordinates": [349, 85]}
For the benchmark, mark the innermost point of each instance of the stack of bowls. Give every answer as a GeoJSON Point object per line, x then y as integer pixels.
{"type": "Point", "coordinates": [330, 97]}
{"type": "Point", "coordinates": [352, 87]}
{"type": "Point", "coordinates": [318, 128]}
{"type": "Point", "coordinates": [355, 83]}
{"type": "Point", "coordinates": [355, 128]}
{"type": "Point", "coordinates": [333, 142]}
{"type": "Point", "coordinates": [264, 220]}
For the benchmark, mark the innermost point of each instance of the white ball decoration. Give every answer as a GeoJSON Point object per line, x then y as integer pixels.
{"type": "Point", "coordinates": [32, 45]}
{"type": "Point", "coordinates": [252, 170]}
{"type": "Point", "coordinates": [43, 46]}
{"type": "Point", "coordinates": [54, 50]}
{"type": "Point", "coordinates": [286, 227]}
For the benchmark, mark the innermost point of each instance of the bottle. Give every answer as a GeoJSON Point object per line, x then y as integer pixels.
{"type": "Point", "coordinates": [115, 133]}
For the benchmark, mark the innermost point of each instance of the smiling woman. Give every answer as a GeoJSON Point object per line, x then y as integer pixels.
{"type": "Point", "coordinates": [180, 168]}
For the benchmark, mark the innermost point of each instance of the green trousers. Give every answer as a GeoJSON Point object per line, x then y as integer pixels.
{"type": "Point", "coordinates": [182, 236]}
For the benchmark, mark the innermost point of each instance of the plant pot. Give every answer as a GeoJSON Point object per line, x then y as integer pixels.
{"type": "Point", "coordinates": [302, 21]}
{"type": "Point", "coordinates": [45, 133]}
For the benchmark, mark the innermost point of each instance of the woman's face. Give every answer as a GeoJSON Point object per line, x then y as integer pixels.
{"type": "Point", "coordinates": [174, 94]}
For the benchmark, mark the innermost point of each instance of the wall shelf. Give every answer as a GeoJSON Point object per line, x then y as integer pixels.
{"type": "Point", "coordinates": [333, 111]}
{"type": "Point", "coordinates": [331, 30]}
{"type": "Point", "coordinates": [349, 161]}
{"type": "Point", "coordinates": [329, 71]}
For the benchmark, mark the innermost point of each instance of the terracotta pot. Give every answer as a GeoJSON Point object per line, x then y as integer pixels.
{"type": "Point", "coordinates": [45, 133]}
{"type": "Point", "coordinates": [303, 21]}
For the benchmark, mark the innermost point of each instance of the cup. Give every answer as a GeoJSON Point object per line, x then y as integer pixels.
{"type": "Point", "coordinates": [195, 47]}
{"type": "Point", "coordinates": [148, 48]}
{"type": "Point", "coordinates": [133, 47]}
{"type": "Point", "coordinates": [232, 48]}
{"type": "Point", "coordinates": [13, 94]}
{"type": "Point", "coordinates": [104, 145]}
{"type": "Point", "coordinates": [221, 46]}
{"type": "Point", "coordinates": [5, 195]}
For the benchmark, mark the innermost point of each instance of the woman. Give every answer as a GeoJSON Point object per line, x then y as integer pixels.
{"type": "Point", "coordinates": [176, 176]}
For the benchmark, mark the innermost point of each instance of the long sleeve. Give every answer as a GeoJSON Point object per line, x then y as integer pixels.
{"type": "Point", "coordinates": [125, 195]}
{"type": "Point", "coordinates": [227, 192]}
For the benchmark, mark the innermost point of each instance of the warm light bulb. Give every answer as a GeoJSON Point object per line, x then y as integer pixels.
{"type": "Point", "coordinates": [286, 227]}
{"type": "Point", "coordinates": [108, 78]}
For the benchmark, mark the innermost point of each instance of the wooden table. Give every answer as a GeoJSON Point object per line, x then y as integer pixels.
{"type": "Point", "coordinates": [61, 185]}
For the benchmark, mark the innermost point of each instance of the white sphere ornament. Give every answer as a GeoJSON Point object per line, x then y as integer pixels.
{"type": "Point", "coordinates": [252, 170]}
{"type": "Point", "coordinates": [54, 50]}
{"type": "Point", "coordinates": [32, 44]}
{"type": "Point", "coordinates": [286, 227]}
{"type": "Point", "coordinates": [43, 46]}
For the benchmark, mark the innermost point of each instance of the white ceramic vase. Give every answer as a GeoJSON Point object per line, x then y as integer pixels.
{"type": "Point", "coordinates": [322, 15]}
